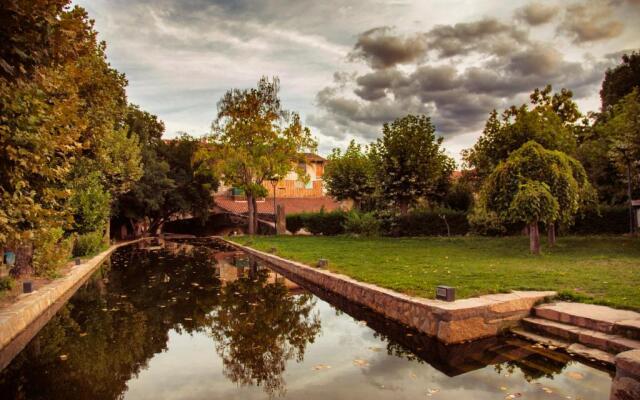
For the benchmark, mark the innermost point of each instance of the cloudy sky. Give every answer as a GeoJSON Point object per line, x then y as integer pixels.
{"type": "Point", "coordinates": [349, 66]}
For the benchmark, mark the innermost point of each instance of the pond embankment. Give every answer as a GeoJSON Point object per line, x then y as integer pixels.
{"type": "Point", "coordinates": [450, 322]}
{"type": "Point", "coordinates": [20, 321]}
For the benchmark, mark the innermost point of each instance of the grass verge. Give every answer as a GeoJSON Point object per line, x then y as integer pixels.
{"type": "Point", "coordinates": [597, 269]}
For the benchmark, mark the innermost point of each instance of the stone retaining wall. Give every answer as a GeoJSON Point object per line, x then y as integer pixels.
{"type": "Point", "coordinates": [20, 316]}
{"type": "Point", "coordinates": [626, 384]}
{"type": "Point", "coordinates": [450, 322]}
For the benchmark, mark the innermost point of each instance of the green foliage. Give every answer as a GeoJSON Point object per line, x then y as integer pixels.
{"type": "Point", "coordinates": [61, 118]}
{"type": "Point", "coordinates": [295, 222]}
{"type": "Point", "coordinates": [486, 222]}
{"type": "Point", "coordinates": [362, 224]}
{"type": "Point", "coordinates": [88, 244]}
{"type": "Point", "coordinates": [624, 126]}
{"type": "Point", "coordinates": [254, 139]}
{"type": "Point", "coordinates": [325, 223]}
{"type": "Point", "coordinates": [460, 196]}
{"type": "Point", "coordinates": [91, 205]}
{"type": "Point", "coordinates": [621, 80]}
{"type": "Point", "coordinates": [410, 162]}
{"type": "Point", "coordinates": [426, 222]}
{"type": "Point", "coordinates": [609, 220]}
{"type": "Point", "coordinates": [6, 283]}
{"type": "Point", "coordinates": [350, 175]}
{"type": "Point", "coordinates": [549, 123]}
{"type": "Point", "coordinates": [533, 202]}
{"type": "Point", "coordinates": [318, 223]}
{"type": "Point", "coordinates": [51, 251]}
{"type": "Point", "coordinates": [564, 177]}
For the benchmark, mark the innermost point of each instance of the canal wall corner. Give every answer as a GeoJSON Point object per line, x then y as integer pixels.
{"type": "Point", "coordinates": [450, 322]}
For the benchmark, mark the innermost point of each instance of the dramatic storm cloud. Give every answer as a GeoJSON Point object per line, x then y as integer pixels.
{"type": "Point", "coordinates": [349, 67]}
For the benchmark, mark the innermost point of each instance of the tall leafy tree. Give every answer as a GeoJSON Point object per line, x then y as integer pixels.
{"type": "Point", "coordinates": [350, 175]}
{"type": "Point", "coordinates": [624, 148]}
{"type": "Point", "coordinates": [550, 122]}
{"type": "Point", "coordinates": [537, 185]}
{"type": "Point", "coordinates": [621, 80]}
{"type": "Point", "coordinates": [254, 139]}
{"type": "Point", "coordinates": [410, 162]}
{"type": "Point", "coordinates": [61, 114]}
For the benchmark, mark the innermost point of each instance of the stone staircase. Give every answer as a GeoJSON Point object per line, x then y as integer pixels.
{"type": "Point", "coordinates": [591, 331]}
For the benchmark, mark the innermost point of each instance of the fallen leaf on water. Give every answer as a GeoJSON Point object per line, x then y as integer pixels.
{"type": "Point", "coordinates": [503, 388]}
{"type": "Point", "coordinates": [188, 319]}
{"type": "Point", "coordinates": [431, 392]}
{"type": "Point", "coordinates": [320, 367]}
{"type": "Point", "coordinates": [413, 375]}
{"type": "Point", "coordinates": [360, 363]}
{"type": "Point", "coordinates": [575, 375]}
{"type": "Point", "coordinates": [63, 357]}
{"type": "Point", "coordinates": [83, 334]}
{"type": "Point", "coordinates": [513, 396]}
{"type": "Point", "coordinates": [547, 390]}
{"type": "Point", "coordinates": [375, 349]}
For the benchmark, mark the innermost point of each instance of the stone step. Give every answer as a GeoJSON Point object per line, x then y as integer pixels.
{"type": "Point", "coordinates": [604, 341]}
{"type": "Point", "coordinates": [571, 348]}
{"type": "Point", "coordinates": [593, 317]}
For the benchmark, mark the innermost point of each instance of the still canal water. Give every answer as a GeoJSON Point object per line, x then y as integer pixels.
{"type": "Point", "coordinates": [196, 320]}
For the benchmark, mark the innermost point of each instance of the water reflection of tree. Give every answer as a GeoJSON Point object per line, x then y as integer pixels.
{"type": "Point", "coordinates": [258, 327]}
{"type": "Point", "coordinates": [112, 327]}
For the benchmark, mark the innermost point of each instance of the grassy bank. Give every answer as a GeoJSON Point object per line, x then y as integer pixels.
{"type": "Point", "coordinates": [600, 269]}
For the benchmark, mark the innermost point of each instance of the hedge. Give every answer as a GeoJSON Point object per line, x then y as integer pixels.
{"type": "Point", "coordinates": [319, 223]}
{"type": "Point", "coordinates": [610, 220]}
{"type": "Point", "coordinates": [428, 223]}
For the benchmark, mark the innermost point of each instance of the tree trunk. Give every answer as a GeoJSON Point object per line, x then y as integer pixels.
{"type": "Point", "coordinates": [403, 205]}
{"type": "Point", "coordinates": [551, 233]}
{"type": "Point", "coordinates": [255, 214]}
{"type": "Point", "coordinates": [24, 258]}
{"type": "Point", "coordinates": [534, 238]}
{"type": "Point", "coordinates": [631, 219]}
{"type": "Point", "coordinates": [251, 215]}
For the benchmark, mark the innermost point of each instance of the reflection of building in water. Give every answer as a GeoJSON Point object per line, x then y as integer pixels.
{"type": "Point", "coordinates": [233, 265]}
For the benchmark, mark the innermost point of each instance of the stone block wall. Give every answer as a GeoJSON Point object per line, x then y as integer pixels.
{"type": "Point", "coordinates": [450, 322]}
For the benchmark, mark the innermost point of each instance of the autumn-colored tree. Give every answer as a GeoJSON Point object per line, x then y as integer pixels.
{"type": "Point", "coordinates": [254, 139]}
{"type": "Point", "coordinates": [410, 162]}
{"type": "Point", "coordinates": [537, 185]}
{"type": "Point", "coordinates": [350, 175]}
{"type": "Point", "coordinates": [60, 117]}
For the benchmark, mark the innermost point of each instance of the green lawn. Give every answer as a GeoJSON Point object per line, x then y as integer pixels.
{"type": "Point", "coordinates": [600, 269]}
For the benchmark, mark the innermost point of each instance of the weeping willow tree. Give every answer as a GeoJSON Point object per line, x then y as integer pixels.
{"type": "Point", "coordinates": [535, 185]}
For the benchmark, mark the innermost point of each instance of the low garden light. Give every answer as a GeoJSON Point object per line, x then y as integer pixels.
{"type": "Point", "coordinates": [446, 293]}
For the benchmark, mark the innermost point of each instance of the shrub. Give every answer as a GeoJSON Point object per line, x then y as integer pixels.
{"type": "Point", "coordinates": [325, 223]}
{"type": "Point", "coordinates": [609, 220]}
{"type": "Point", "coordinates": [88, 243]}
{"type": "Point", "coordinates": [483, 222]}
{"type": "Point", "coordinates": [50, 251]}
{"type": "Point", "coordinates": [365, 224]}
{"type": "Point", "coordinates": [91, 204]}
{"type": "Point", "coordinates": [6, 283]}
{"type": "Point", "coordinates": [427, 223]}
{"type": "Point", "coordinates": [295, 222]}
